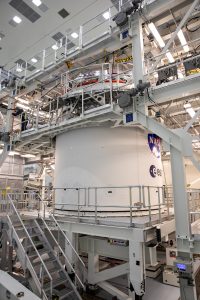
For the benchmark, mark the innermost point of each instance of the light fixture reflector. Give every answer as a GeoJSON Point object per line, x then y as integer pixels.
{"type": "Point", "coordinates": [106, 15]}
{"type": "Point", "coordinates": [17, 19]}
{"type": "Point", "coordinates": [37, 2]}
{"type": "Point", "coordinates": [183, 41]}
{"type": "Point", "coordinates": [74, 35]}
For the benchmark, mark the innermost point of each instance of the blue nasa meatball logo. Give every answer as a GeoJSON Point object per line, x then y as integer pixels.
{"type": "Point", "coordinates": [154, 142]}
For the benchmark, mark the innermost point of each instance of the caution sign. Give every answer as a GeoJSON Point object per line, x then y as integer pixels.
{"type": "Point", "coordinates": [124, 60]}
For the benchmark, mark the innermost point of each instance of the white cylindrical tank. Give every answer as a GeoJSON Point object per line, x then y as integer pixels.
{"type": "Point", "coordinates": [101, 164]}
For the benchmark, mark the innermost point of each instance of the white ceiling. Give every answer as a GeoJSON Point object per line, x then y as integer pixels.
{"type": "Point", "coordinates": [27, 38]}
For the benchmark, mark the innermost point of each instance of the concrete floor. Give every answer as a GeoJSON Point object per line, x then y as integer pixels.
{"type": "Point", "coordinates": [157, 291]}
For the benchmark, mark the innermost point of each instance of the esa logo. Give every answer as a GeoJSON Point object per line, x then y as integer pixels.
{"type": "Point", "coordinates": [155, 172]}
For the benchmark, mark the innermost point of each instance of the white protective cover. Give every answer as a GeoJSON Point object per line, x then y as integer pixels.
{"type": "Point", "coordinates": [105, 157]}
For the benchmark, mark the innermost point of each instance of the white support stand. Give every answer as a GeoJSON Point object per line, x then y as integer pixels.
{"type": "Point", "coordinates": [69, 251]}
{"type": "Point", "coordinates": [153, 256]}
{"type": "Point", "coordinates": [137, 268]}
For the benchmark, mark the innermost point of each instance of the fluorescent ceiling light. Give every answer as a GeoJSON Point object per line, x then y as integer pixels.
{"type": "Point", "coordinates": [17, 19]}
{"type": "Point", "coordinates": [156, 34]}
{"type": "Point", "coordinates": [183, 41]}
{"type": "Point", "coordinates": [106, 15]}
{"type": "Point", "coordinates": [11, 153]}
{"type": "Point", "coordinates": [22, 100]}
{"type": "Point", "coordinates": [54, 47]}
{"type": "Point", "coordinates": [74, 35]}
{"type": "Point", "coordinates": [170, 57]}
{"type": "Point", "coordinates": [34, 60]}
{"type": "Point", "coordinates": [37, 2]}
{"type": "Point", "coordinates": [194, 181]}
{"type": "Point", "coordinates": [19, 69]}
{"type": "Point", "coordinates": [189, 109]}
{"type": "Point", "coordinates": [160, 41]}
{"type": "Point", "coordinates": [46, 158]}
{"type": "Point", "coordinates": [28, 155]}
{"type": "Point", "coordinates": [22, 106]}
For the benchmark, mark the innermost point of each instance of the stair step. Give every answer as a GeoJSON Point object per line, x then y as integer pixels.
{"type": "Point", "coordinates": [56, 283]}
{"type": "Point", "coordinates": [45, 260]}
{"type": "Point", "coordinates": [41, 252]}
{"type": "Point", "coordinates": [64, 294]}
{"type": "Point", "coordinates": [36, 243]}
{"type": "Point", "coordinates": [51, 269]}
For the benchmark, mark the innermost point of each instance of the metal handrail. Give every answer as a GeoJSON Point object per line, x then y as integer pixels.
{"type": "Point", "coordinates": [66, 238]}
{"type": "Point", "coordinates": [68, 241]}
{"type": "Point", "coordinates": [27, 258]}
{"type": "Point", "coordinates": [29, 237]}
{"type": "Point", "coordinates": [63, 253]}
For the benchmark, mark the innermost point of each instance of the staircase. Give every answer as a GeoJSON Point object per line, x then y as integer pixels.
{"type": "Point", "coordinates": [42, 261]}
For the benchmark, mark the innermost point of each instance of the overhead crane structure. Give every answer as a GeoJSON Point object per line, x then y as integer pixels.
{"type": "Point", "coordinates": [179, 142]}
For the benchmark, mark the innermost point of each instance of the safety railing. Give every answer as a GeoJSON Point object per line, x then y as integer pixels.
{"type": "Point", "coordinates": [67, 44]}
{"type": "Point", "coordinates": [154, 203]}
{"type": "Point", "coordinates": [97, 203]}
{"type": "Point", "coordinates": [47, 210]}
{"type": "Point", "coordinates": [79, 281]}
{"type": "Point", "coordinates": [92, 88]}
{"type": "Point", "coordinates": [13, 214]}
{"type": "Point", "coordinates": [97, 77]}
{"type": "Point", "coordinates": [179, 69]}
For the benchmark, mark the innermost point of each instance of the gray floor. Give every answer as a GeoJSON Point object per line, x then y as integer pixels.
{"type": "Point", "coordinates": [157, 291]}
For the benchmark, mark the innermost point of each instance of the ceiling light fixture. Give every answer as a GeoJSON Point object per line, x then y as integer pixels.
{"type": "Point", "coordinates": [22, 106]}
{"type": "Point", "coordinates": [170, 57]}
{"type": "Point", "coordinates": [28, 155]}
{"type": "Point", "coordinates": [19, 68]}
{"type": "Point", "coordinates": [106, 15]}
{"type": "Point", "coordinates": [12, 153]}
{"type": "Point", "coordinates": [156, 34]}
{"type": "Point", "coordinates": [34, 60]}
{"type": "Point", "coordinates": [189, 109]}
{"type": "Point", "coordinates": [22, 100]}
{"type": "Point", "coordinates": [37, 2]}
{"type": "Point", "coordinates": [183, 41]}
{"type": "Point", "coordinates": [74, 35]}
{"type": "Point", "coordinates": [54, 47]}
{"type": "Point", "coordinates": [17, 19]}
{"type": "Point", "coordinates": [160, 41]}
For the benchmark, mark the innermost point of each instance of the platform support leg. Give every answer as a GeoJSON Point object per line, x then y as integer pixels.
{"type": "Point", "coordinates": [93, 262]}
{"type": "Point", "coordinates": [69, 251]}
{"type": "Point", "coordinates": [137, 268]}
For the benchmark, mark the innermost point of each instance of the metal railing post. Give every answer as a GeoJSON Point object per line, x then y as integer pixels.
{"type": "Point", "coordinates": [95, 205]}
{"type": "Point", "coordinates": [110, 19]}
{"type": "Point", "coordinates": [111, 84]}
{"type": "Point", "coordinates": [82, 95]}
{"type": "Point", "coordinates": [43, 59]}
{"type": "Point", "coordinates": [81, 37]}
{"type": "Point", "coordinates": [143, 197]}
{"type": "Point", "coordinates": [66, 42]}
{"type": "Point", "coordinates": [149, 205]}
{"type": "Point", "coordinates": [78, 204]}
{"type": "Point", "coordinates": [131, 206]}
{"type": "Point", "coordinates": [159, 204]}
